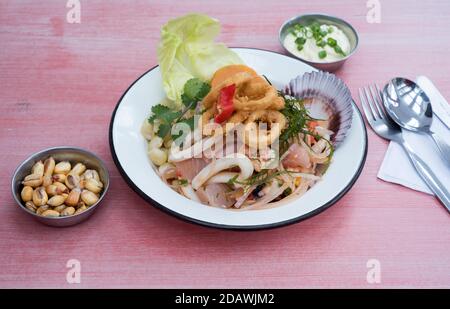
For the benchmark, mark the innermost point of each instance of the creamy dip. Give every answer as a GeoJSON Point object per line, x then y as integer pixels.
{"type": "Point", "coordinates": [317, 43]}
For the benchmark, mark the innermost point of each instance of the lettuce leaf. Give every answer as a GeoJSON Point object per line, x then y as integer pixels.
{"type": "Point", "coordinates": [187, 50]}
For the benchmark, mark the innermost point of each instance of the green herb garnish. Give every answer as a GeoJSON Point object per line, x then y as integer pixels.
{"type": "Point", "coordinates": [260, 178]}
{"type": "Point", "coordinates": [194, 91]}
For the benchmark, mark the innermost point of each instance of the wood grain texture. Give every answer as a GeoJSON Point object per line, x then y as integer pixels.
{"type": "Point", "coordinates": [60, 82]}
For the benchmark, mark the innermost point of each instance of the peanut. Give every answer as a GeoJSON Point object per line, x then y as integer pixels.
{"type": "Point", "coordinates": [73, 198]}
{"type": "Point", "coordinates": [93, 185]}
{"type": "Point", "coordinates": [62, 167]}
{"type": "Point", "coordinates": [72, 181]}
{"type": "Point", "coordinates": [49, 166]}
{"type": "Point", "coordinates": [33, 180]}
{"type": "Point", "coordinates": [26, 194]}
{"type": "Point", "coordinates": [38, 168]}
{"type": "Point", "coordinates": [59, 177]}
{"type": "Point", "coordinates": [78, 169]}
{"type": "Point", "coordinates": [30, 206]}
{"type": "Point", "coordinates": [40, 197]}
{"type": "Point", "coordinates": [41, 209]}
{"type": "Point", "coordinates": [80, 210]}
{"type": "Point", "coordinates": [88, 197]}
{"type": "Point", "coordinates": [50, 213]}
{"type": "Point", "coordinates": [60, 208]}
{"type": "Point", "coordinates": [56, 200]}
{"type": "Point", "coordinates": [68, 211]}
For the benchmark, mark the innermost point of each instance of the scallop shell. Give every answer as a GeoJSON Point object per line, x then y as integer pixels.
{"type": "Point", "coordinates": [329, 98]}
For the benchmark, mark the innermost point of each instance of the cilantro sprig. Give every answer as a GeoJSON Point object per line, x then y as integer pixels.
{"type": "Point", "coordinates": [193, 92]}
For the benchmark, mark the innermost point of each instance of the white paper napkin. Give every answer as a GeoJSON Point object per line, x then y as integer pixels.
{"type": "Point", "coordinates": [396, 166]}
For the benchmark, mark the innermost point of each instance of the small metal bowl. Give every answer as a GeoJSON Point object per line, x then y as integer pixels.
{"type": "Point", "coordinates": [73, 155]}
{"type": "Point", "coordinates": [308, 19]}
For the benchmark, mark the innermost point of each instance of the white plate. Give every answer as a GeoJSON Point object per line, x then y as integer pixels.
{"type": "Point", "coordinates": [129, 150]}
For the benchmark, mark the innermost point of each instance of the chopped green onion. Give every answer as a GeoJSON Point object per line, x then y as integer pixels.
{"type": "Point", "coordinates": [339, 50]}
{"type": "Point", "coordinates": [322, 54]}
{"type": "Point", "coordinates": [321, 43]}
{"type": "Point", "coordinates": [332, 42]}
{"type": "Point", "coordinates": [299, 47]}
{"type": "Point", "coordinates": [300, 41]}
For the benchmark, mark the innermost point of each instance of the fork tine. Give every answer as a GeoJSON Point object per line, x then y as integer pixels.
{"type": "Point", "coordinates": [378, 103]}
{"type": "Point", "coordinates": [370, 102]}
{"type": "Point", "coordinates": [367, 112]}
{"type": "Point", "coordinates": [383, 112]}
{"type": "Point", "coordinates": [376, 98]}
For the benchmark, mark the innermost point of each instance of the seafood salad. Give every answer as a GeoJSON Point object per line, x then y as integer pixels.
{"type": "Point", "coordinates": [229, 138]}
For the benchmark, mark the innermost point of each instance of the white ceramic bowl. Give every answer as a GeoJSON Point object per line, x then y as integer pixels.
{"type": "Point", "coordinates": [129, 149]}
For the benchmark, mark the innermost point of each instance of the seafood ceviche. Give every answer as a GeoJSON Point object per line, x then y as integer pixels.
{"type": "Point", "coordinates": [225, 136]}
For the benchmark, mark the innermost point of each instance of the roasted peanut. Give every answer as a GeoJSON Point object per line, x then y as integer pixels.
{"type": "Point", "coordinates": [33, 180]}
{"type": "Point", "coordinates": [47, 180]}
{"type": "Point", "coordinates": [40, 197]}
{"type": "Point", "coordinates": [73, 198]}
{"type": "Point", "coordinates": [56, 200]}
{"type": "Point", "coordinates": [93, 185]}
{"type": "Point", "coordinates": [62, 167]}
{"type": "Point", "coordinates": [51, 190]}
{"type": "Point", "coordinates": [30, 206]}
{"type": "Point", "coordinates": [41, 209]}
{"type": "Point", "coordinates": [88, 197]}
{"type": "Point", "coordinates": [68, 211]}
{"type": "Point", "coordinates": [60, 208]}
{"type": "Point", "coordinates": [50, 213]}
{"type": "Point", "coordinates": [60, 188]}
{"type": "Point", "coordinates": [49, 166]}
{"type": "Point", "coordinates": [89, 174]}
{"type": "Point", "coordinates": [59, 177]}
{"type": "Point", "coordinates": [26, 194]}
{"type": "Point", "coordinates": [72, 181]}
{"type": "Point", "coordinates": [38, 168]}
{"type": "Point", "coordinates": [80, 210]}
{"type": "Point", "coordinates": [78, 169]}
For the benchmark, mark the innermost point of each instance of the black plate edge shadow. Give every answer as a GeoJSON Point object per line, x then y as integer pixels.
{"type": "Point", "coordinates": [223, 226]}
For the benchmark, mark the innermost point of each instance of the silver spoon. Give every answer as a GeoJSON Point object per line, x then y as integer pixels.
{"type": "Point", "coordinates": [410, 108]}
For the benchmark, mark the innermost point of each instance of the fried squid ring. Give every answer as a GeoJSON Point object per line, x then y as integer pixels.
{"type": "Point", "coordinates": [237, 79]}
{"type": "Point", "coordinates": [253, 136]}
{"type": "Point", "coordinates": [277, 104]}
{"type": "Point", "coordinates": [255, 94]}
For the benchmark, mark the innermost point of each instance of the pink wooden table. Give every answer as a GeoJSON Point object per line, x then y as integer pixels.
{"type": "Point", "coordinates": [60, 82]}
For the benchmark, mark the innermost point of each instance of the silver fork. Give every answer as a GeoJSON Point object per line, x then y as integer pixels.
{"type": "Point", "coordinates": [386, 128]}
